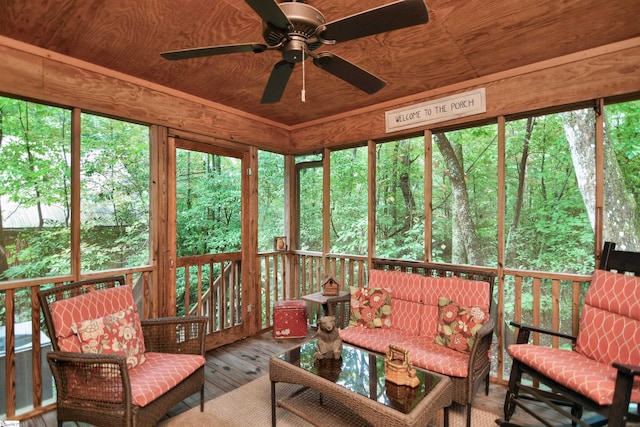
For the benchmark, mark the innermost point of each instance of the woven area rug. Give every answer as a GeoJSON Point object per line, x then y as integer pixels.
{"type": "Point", "coordinates": [250, 405]}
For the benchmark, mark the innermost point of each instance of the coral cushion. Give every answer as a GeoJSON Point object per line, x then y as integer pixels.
{"type": "Point", "coordinates": [377, 339]}
{"type": "Point", "coordinates": [370, 307]}
{"type": "Point", "coordinates": [405, 316]}
{"type": "Point", "coordinates": [428, 355]}
{"type": "Point", "coordinates": [610, 322]}
{"type": "Point", "coordinates": [160, 373]}
{"type": "Point", "coordinates": [615, 292]}
{"type": "Point", "coordinates": [408, 287]}
{"type": "Point", "coordinates": [118, 333]}
{"type": "Point", "coordinates": [458, 325]}
{"type": "Point", "coordinates": [573, 370]}
{"type": "Point", "coordinates": [92, 305]}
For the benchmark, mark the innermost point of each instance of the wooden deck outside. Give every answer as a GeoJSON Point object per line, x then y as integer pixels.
{"type": "Point", "coordinates": [233, 365]}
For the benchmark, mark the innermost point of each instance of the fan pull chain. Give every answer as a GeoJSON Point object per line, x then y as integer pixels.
{"type": "Point", "coordinates": [302, 94]}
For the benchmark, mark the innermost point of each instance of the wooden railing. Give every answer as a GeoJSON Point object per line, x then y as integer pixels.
{"type": "Point", "coordinates": [28, 389]}
{"type": "Point", "coordinates": [309, 270]}
{"type": "Point", "coordinates": [211, 285]}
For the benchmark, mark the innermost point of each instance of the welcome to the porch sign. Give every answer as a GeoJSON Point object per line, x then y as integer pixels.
{"type": "Point", "coordinates": [439, 110]}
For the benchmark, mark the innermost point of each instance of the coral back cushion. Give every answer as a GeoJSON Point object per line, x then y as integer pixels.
{"type": "Point", "coordinates": [470, 293]}
{"type": "Point", "coordinates": [92, 305]}
{"type": "Point", "coordinates": [610, 323]}
{"type": "Point", "coordinates": [408, 287]}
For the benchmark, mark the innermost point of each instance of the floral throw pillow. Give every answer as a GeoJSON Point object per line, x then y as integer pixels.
{"type": "Point", "coordinates": [370, 307]}
{"type": "Point", "coordinates": [117, 333]}
{"type": "Point", "coordinates": [458, 325]}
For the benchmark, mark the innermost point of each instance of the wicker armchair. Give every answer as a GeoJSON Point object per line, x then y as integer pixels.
{"type": "Point", "coordinates": [101, 389]}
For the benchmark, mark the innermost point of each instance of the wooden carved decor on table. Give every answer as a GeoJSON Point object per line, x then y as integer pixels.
{"type": "Point", "coordinates": [398, 368]}
{"type": "Point", "coordinates": [329, 344]}
{"type": "Point", "coordinates": [330, 287]}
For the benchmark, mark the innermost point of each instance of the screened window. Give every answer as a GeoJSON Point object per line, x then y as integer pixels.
{"type": "Point", "coordinates": [348, 231]}
{"type": "Point", "coordinates": [400, 199]}
{"type": "Point", "coordinates": [270, 199]}
{"type": "Point", "coordinates": [622, 175]}
{"type": "Point", "coordinates": [550, 192]}
{"type": "Point", "coordinates": [114, 192]}
{"type": "Point", "coordinates": [35, 190]}
{"type": "Point", "coordinates": [309, 169]}
{"type": "Point", "coordinates": [465, 196]}
{"type": "Point", "coordinates": [208, 203]}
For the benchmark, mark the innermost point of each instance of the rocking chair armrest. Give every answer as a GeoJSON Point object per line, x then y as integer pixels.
{"type": "Point", "coordinates": [92, 379]}
{"type": "Point", "coordinates": [175, 334]}
{"type": "Point", "coordinates": [524, 331]}
{"type": "Point", "coordinates": [627, 369]}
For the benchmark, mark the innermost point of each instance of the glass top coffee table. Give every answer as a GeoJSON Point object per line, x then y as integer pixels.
{"type": "Point", "coordinates": [357, 380]}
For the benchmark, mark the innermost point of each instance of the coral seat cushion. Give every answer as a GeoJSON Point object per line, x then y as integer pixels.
{"type": "Point", "coordinates": [573, 370]}
{"type": "Point", "coordinates": [160, 373]}
{"type": "Point", "coordinates": [428, 355]}
{"type": "Point", "coordinates": [374, 339]}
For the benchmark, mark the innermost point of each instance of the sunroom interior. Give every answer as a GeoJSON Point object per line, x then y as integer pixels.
{"type": "Point", "coordinates": [494, 115]}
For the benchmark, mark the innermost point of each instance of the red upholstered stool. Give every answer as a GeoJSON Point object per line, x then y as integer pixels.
{"type": "Point", "coordinates": [290, 319]}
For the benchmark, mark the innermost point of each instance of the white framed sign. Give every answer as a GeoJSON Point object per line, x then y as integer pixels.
{"type": "Point", "coordinates": [439, 110]}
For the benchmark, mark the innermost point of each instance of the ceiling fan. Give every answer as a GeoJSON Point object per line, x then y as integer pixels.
{"type": "Point", "coordinates": [297, 29]}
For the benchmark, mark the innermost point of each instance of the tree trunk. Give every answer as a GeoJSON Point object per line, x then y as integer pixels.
{"type": "Point", "coordinates": [463, 215]}
{"type": "Point", "coordinates": [405, 188]}
{"type": "Point", "coordinates": [619, 217]}
{"type": "Point", "coordinates": [522, 173]}
{"type": "Point", "coordinates": [458, 251]}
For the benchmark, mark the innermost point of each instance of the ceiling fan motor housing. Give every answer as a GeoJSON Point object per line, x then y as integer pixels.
{"type": "Point", "coordinates": [301, 34]}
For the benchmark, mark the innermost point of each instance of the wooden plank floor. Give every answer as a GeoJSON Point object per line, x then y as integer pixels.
{"type": "Point", "coordinates": [236, 364]}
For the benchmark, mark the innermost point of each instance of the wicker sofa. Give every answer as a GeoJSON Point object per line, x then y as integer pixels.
{"type": "Point", "coordinates": [413, 320]}
{"type": "Point", "coordinates": [110, 368]}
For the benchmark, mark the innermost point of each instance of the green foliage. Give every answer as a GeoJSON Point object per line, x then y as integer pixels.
{"type": "Point", "coordinates": [349, 200]}
{"type": "Point", "coordinates": [270, 199]}
{"type": "Point", "coordinates": [208, 203]}
{"type": "Point", "coordinates": [623, 122]}
{"type": "Point", "coordinates": [35, 181]}
{"type": "Point", "coordinates": [400, 199]}
{"type": "Point", "coordinates": [311, 209]}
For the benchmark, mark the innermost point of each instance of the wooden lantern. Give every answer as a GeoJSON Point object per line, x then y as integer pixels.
{"type": "Point", "coordinates": [398, 368]}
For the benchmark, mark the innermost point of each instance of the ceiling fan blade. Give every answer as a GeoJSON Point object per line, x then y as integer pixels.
{"type": "Point", "coordinates": [213, 50]}
{"type": "Point", "coordinates": [349, 72]}
{"type": "Point", "coordinates": [277, 82]}
{"type": "Point", "coordinates": [270, 12]}
{"type": "Point", "coordinates": [399, 14]}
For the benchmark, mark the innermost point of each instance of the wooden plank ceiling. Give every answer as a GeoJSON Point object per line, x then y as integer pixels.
{"type": "Point", "coordinates": [464, 39]}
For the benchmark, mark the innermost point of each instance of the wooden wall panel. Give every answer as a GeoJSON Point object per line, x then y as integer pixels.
{"type": "Point", "coordinates": [33, 73]}
{"type": "Point", "coordinates": [577, 78]}
{"type": "Point", "coordinates": [29, 73]}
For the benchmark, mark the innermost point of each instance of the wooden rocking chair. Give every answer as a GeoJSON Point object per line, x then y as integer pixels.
{"type": "Point", "coordinates": [601, 372]}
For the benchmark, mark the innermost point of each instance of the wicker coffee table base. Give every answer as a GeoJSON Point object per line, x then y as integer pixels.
{"type": "Point", "coordinates": [376, 413]}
